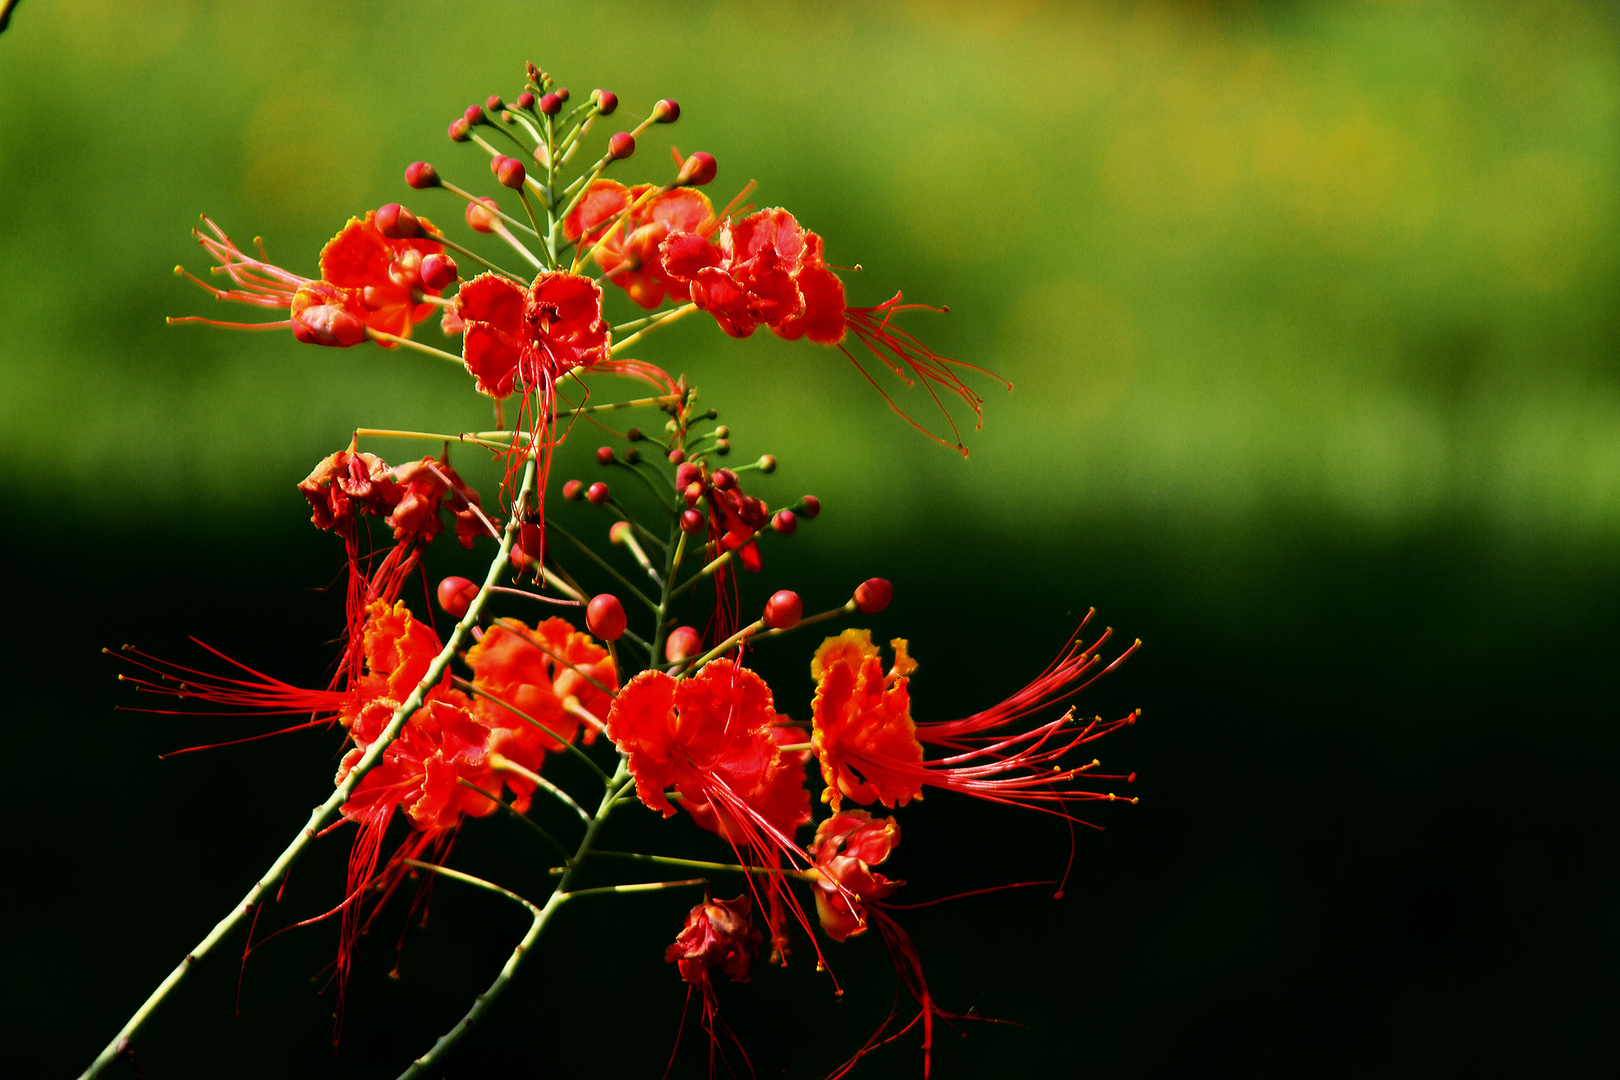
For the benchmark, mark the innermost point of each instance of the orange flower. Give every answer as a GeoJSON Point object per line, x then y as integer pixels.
{"type": "Point", "coordinates": [863, 732]}
{"type": "Point", "coordinates": [379, 276]}
{"type": "Point", "coordinates": [629, 249]}
{"type": "Point", "coordinates": [717, 934]}
{"type": "Point", "coordinates": [533, 335]}
{"type": "Point", "coordinates": [846, 847]}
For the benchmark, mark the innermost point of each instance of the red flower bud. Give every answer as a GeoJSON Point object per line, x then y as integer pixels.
{"type": "Point", "coordinates": [597, 493]}
{"type": "Point", "coordinates": [550, 104]}
{"type": "Point", "coordinates": [683, 643]}
{"type": "Point", "coordinates": [676, 456]}
{"type": "Point", "coordinates": [873, 595]}
{"type": "Point", "coordinates": [438, 271]}
{"type": "Point", "coordinates": [573, 491]}
{"type": "Point", "coordinates": [493, 103]}
{"type": "Point", "coordinates": [509, 171]}
{"type": "Point", "coordinates": [619, 531]}
{"type": "Point", "coordinates": [479, 216]}
{"type": "Point", "coordinates": [458, 130]}
{"type": "Point", "coordinates": [328, 324]}
{"type": "Point", "coordinates": [698, 170]}
{"type": "Point", "coordinates": [474, 115]}
{"type": "Point", "coordinates": [397, 223]}
{"type": "Point", "coordinates": [693, 492]}
{"type": "Point", "coordinates": [809, 506]}
{"type": "Point", "coordinates": [562, 93]}
{"type": "Point", "coordinates": [606, 101]}
{"type": "Point", "coordinates": [604, 455]}
{"type": "Point", "coordinates": [667, 111]}
{"type": "Point", "coordinates": [691, 522]}
{"type": "Point", "coordinates": [605, 616]}
{"type": "Point", "coordinates": [419, 174]}
{"type": "Point", "coordinates": [725, 479]}
{"type": "Point", "coordinates": [689, 473]}
{"type": "Point", "coordinates": [621, 145]}
{"type": "Point", "coordinates": [633, 434]}
{"type": "Point", "coordinates": [530, 546]}
{"type": "Point", "coordinates": [767, 463]}
{"type": "Point", "coordinates": [785, 522]}
{"type": "Point", "coordinates": [784, 610]}
{"type": "Point", "coordinates": [456, 595]}
{"type": "Point", "coordinates": [525, 100]}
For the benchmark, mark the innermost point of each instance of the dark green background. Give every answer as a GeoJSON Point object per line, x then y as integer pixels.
{"type": "Point", "coordinates": [1311, 311]}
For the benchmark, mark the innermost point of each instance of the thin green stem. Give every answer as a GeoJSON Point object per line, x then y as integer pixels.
{"type": "Point", "coordinates": [430, 436]}
{"type": "Point", "coordinates": [696, 864]}
{"type": "Point", "coordinates": [676, 313]}
{"type": "Point", "coordinates": [641, 886]}
{"type": "Point", "coordinates": [469, 688]}
{"type": "Point", "coordinates": [506, 764]}
{"type": "Point", "coordinates": [512, 810]}
{"type": "Point", "coordinates": [603, 563]}
{"type": "Point", "coordinates": [394, 339]}
{"type": "Point", "coordinates": [471, 254]}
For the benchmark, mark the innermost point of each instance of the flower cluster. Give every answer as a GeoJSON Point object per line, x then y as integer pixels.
{"type": "Point", "coordinates": [440, 730]}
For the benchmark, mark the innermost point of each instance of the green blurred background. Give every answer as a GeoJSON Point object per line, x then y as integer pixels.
{"type": "Point", "coordinates": [1311, 313]}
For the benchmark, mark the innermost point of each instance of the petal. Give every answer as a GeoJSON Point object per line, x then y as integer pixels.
{"type": "Point", "coordinates": [493, 299]}
{"type": "Point", "coordinates": [491, 356]}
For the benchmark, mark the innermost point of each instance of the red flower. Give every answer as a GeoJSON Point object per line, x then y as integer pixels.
{"type": "Point", "coordinates": [746, 280]}
{"type": "Point", "coordinates": [629, 249]}
{"type": "Point", "coordinates": [379, 276]}
{"type": "Point", "coordinates": [846, 847]}
{"type": "Point", "coordinates": [776, 793]}
{"type": "Point", "coordinates": [532, 335]}
{"type": "Point", "coordinates": [718, 934]}
{"type": "Point", "coordinates": [870, 751]}
{"type": "Point", "coordinates": [423, 487]}
{"type": "Point", "coordinates": [537, 672]}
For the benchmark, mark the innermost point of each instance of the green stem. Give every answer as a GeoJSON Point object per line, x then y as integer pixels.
{"type": "Point", "coordinates": [510, 809]}
{"type": "Point", "coordinates": [603, 563]}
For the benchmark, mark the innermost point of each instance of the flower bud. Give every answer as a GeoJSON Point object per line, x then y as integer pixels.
{"type": "Point", "coordinates": [767, 463]}
{"type": "Point", "coordinates": [397, 223]}
{"type": "Point", "coordinates": [509, 171]}
{"type": "Point", "coordinates": [458, 130]}
{"type": "Point", "coordinates": [605, 616]}
{"type": "Point", "coordinates": [405, 271]}
{"type": "Point", "coordinates": [676, 456]}
{"type": "Point", "coordinates": [604, 455]}
{"type": "Point", "coordinates": [606, 101]}
{"type": "Point", "coordinates": [722, 432]}
{"type": "Point", "coordinates": [574, 491]}
{"type": "Point", "coordinates": [632, 456]}
{"type": "Point", "coordinates": [785, 522]}
{"type": "Point", "coordinates": [691, 522]}
{"type": "Point", "coordinates": [474, 115]}
{"type": "Point", "coordinates": [688, 473]}
{"type": "Point", "coordinates": [597, 493]}
{"type": "Point", "coordinates": [712, 414]}
{"type": "Point", "coordinates": [698, 169]}
{"type": "Point", "coordinates": [562, 93]}
{"type": "Point", "coordinates": [809, 506]}
{"type": "Point", "coordinates": [634, 434]}
{"type": "Point", "coordinates": [683, 643]}
{"type": "Point", "coordinates": [666, 111]}
{"type": "Point", "coordinates": [438, 272]}
{"type": "Point", "coordinates": [419, 174]}
{"type": "Point", "coordinates": [693, 492]}
{"type": "Point", "coordinates": [327, 324]}
{"type": "Point", "coordinates": [456, 595]}
{"type": "Point", "coordinates": [873, 595]}
{"type": "Point", "coordinates": [621, 145]}
{"type": "Point", "coordinates": [784, 610]}
{"type": "Point", "coordinates": [722, 447]}
{"type": "Point", "coordinates": [525, 100]}
{"type": "Point", "coordinates": [550, 104]}
{"type": "Point", "coordinates": [619, 531]}
{"type": "Point", "coordinates": [530, 547]}
{"type": "Point", "coordinates": [479, 216]}
{"type": "Point", "coordinates": [494, 103]}
{"type": "Point", "coordinates": [725, 479]}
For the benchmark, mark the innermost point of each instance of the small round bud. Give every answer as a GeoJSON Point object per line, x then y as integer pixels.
{"type": "Point", "coordinates": [767, 463]}
{"type": "Point", "coordinates": [725, 479]}
{"type": "Point", "coordinates": [676, 456]}
{"type": "Point", "coordinates": [509, 171]}
{"type": "Point", "coordinates": [574, 490]}
{"type": "Point", "coordinates": [691, 522]}
{"type": "Point", "coordinates": [606, 101]}
{"type": "Point", "coordinates": [493, 103]}
{"type": "Point", "coordinates": [605, 616]}
{"type": "Point", "coordinates": [698, 169]}
{"type": "Point", "coordinates": [784, 610]}
{"type": "Point", "coordinates": [689, 473]}
{"type": "Point", "coordinates": [722, 432]}
{"type": "Point", "coordinates": [419, 174]}
{"type": "Point", "coordinates": [621, 145]}
{"type": "Point", "coordinates": [480, 216]}
{"type": "Point", "coordinates": [550, 104]}
{"type": "Point", "coordinates": [693, 492]}
{"type": "Point", "coordinates": [809, 506]}
{"type": "Point", "coordinates": [525, 100]}
{"type": "Point", "coordinates": [722, 447]}
{"type": "Point", "coordinates": [475, 115]}
{"type": "Point", "coordinates": [604, 455]}
{"type": "Point", "coordinates": [873, 595]}
{"type": "Point", "coordinates": [438, 272]}
{"type": "Point", "coordinates": [667, 111]}
{"type": "Point", "coordinates": [634, 434]}
{"type": "Point", "coordinates": [562, 93]}
{"type": "Point", "coordinates": [683, 643]}
{"type": "Point", "coordinates": [670, 425]}
{"type": "Point", "coordinates": [456, 595]}
{"type": "Point", "coordinates": [458, 130]}
{"type": "Point", "coordinates": [597, 493]}
{"type": "Point", "coordinates": [712, 414]}
{"type": "Point", "coordinates": [619, 531]}
{"type": "Point", "coordinates": [785, 522]}
{"type": "Point", "coordinates": [632, 456]}
{"type": "Point", "coordinates": [396, 222]}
